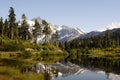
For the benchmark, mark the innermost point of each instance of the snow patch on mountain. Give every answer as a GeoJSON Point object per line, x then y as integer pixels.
{"type": "Point", "coordinates": [113, 26]}
{"type": "Point", "coordinates": [55, 28]}
{"type": "Point", "coordinates": [31, 23]}
{"type": "Point", "coordinates": [80, 31]}
{"type": "Point", "coordinates": [69, 33]}
{"type": "Point", "coordinates": [110, 27]}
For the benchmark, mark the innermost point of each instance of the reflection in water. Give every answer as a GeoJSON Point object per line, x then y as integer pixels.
{"type": "Point", "coordinates": [86, 74]}
{"type": "Point", "coordinates": [84, 68]}
{"type": "Point", "coordinates": [93, 68]}
{"type": "Point", "coordinates": [70, 71]}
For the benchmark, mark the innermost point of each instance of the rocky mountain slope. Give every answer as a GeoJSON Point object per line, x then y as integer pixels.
{"type": "Point", "coordinates": [66, 33]}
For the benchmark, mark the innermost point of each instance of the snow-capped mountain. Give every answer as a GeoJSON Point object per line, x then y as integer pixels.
{"type": "Point", "coordinates": [69, 33]}
{"type": "Point", "coordinates": [112, 28]}
{"type": "Point", "coordinates": [66, 33]}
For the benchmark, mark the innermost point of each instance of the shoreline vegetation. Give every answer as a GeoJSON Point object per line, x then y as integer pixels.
{"type": "Point", "coordinates": [12, 62]}
{"type": "Point", "coordinates": [17, 55]}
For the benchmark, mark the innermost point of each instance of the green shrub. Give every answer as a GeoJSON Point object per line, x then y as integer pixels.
{"type": "Point", "coordinates": [13, 45]}
{"type": "Point", "coordinates": [27, 54]}
{"type": "Point", "coordinates": [48, 46]}
{"type": "Point", "coordinates": [45, 48]}
{"type": "Point", "coordinates": [36, 47]}
{"type": "Point", "coordinates": [8, 71]}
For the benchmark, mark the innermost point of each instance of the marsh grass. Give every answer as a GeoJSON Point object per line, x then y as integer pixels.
{"type": "Point", "coordinates": [8, 73]}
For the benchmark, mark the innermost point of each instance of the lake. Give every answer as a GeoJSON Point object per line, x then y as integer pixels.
{"type": "Point", "coordinates": [85, 67]}
{"type": "Point", "coordinates": [87, 74]}
{"type": "Point", "coordinates": [90, 68]}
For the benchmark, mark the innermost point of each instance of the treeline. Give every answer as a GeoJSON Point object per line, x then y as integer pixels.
{"type": "Point", "coordinates": [108, 39]}
{"type": "Point", "coordinates": [13, 30]}
{"type": "Point", "coordinates": [103, 45]}
{"type": "Point", "coordinates": [13, 34]}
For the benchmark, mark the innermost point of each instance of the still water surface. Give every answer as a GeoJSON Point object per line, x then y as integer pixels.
{"type": "Point", "coordinates": [91, 75]}
{"type": "Point", "coordinates": [90, 69]}
{"type": "Point", "coordinates": [84, 67]}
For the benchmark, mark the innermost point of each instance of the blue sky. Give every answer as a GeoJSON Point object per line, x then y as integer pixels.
{"type": "Point", "coordinates": [86, 14]}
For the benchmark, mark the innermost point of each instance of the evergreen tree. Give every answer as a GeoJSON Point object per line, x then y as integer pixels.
{"type": "Point", "coordinates": [6, 29]}
{"type": "Point", "coordinates": [55, 37]}
{"type": "Point", "coordinates": [23, 30]}
{"type": "Point", "coordinates": [12, 23]}
{"type": "Point", "coordinates": [107, 39]}
{"type": "Point", "coordinates": [1, 26]}
{"type": "Point", "coordinates": [24, 17]}
{"type": "Point", "coordinates": [62, 45]}
{"type": "Point", "coordinates": [16, 30]}
{"type": "Point", "coordinates": [117, 34]}
{"type": "Point", "coordinates": [118, 38]}
{"type": "Point", "coordinates": [47, 31]}
{"type": "Point", "coordinates": [37, 30]}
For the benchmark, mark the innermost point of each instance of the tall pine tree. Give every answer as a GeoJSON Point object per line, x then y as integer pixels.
{"type": "Point", "coordinates": [55, 37]}
{"type": "Point", "coordinates": [1, 26]}
{"type": "Point", "coordinates": [23, 30]}
{"type": "Point", "coordinates": [36, 31]}
{"type": "Point", "coordinates": [107, 39]}
{"type": "Point", "coordinates": [6, 29]}
{"type": "Point", "coordinates": [16, 30]}
{"type": "Point", "coordinates": [47, 30]}
{"type": "Point", "coordinates": [12, 22]}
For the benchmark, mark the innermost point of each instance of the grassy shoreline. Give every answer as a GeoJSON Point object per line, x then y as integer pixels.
{"type": "Point", "coordinates": [11, 62]}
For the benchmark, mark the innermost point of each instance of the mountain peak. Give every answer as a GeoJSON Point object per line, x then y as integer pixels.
{"type": "Point", "coordinates": [113, 25]}
{"type": "Point", "coordinates": [110, 27]}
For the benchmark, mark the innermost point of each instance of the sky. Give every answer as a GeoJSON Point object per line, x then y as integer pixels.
{"type": "Point", "coordinates": [87, 15]}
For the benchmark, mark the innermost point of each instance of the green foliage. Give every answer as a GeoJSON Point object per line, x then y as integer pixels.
{"type": "Point", "coordinates": [13, 46]}
{"type": "Point", "coordinates": [37, 30]}
{"type": "Point", "coordinates": [1, 26]}
{"type": "Point", "coordinates": [23, 30]}
{"type": "Point", "coordinates": [55, 37]}
{"type": "Point", "coordinates": [37, 47]}
{"type": "Point", "coordinates": [8, 73]}
{"type": "Point", "coordinates": [26, 44]}
{"type": "Point", "coordinates": [15, 37]}
{"type": "Point", "coordinates": [46, 30]}
{"type": "Point", "coordinates": [48, 46]}
{"type": "Point", "coordinates": [72, 54]}
{"type": "Point", "coordinates": [26, 54]}
{"type": "Point", "coordinates": [11, 62]}
{"type": "Point", "coordinates": [107, 39]}
{"type": "Point", "coordinates": [10, 45]}
{"type": "Point", "coordinates": [12, 23]}
{"type": "Point", "coordinates": [6, 29]}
